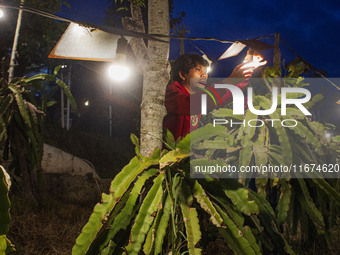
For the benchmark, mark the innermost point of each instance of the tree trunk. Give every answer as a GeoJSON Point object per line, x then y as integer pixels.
{"type": "Point", "coordinates": [152, 61]}
{"type": "Point", "coordinates": [135, 23]}
{"type": "Point", "coordinates": [156, 78]}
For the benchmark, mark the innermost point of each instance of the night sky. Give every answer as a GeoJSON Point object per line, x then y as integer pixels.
{"type": "Point", "coordinates": [310, 27]}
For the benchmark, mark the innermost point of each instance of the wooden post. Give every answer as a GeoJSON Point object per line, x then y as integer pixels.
{"type": "Point", "coordinates": [277, 61]}
{"type": "Point", "coordinates": [277, 54]}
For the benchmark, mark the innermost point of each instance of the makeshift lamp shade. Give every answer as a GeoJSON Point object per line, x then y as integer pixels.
{"type": "Point", "coordinates": [238, 46]}
{"type": "Point", "coordinates": [86, 43]}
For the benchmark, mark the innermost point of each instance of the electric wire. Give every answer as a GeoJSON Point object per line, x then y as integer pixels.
{"type": "Point", "coordinates": [114, 30]}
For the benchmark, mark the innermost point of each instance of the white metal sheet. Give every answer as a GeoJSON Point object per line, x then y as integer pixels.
{"type": "Point", "coordinates": [83, 43]}
{"type": "Point", "coordinates": [233, 50]}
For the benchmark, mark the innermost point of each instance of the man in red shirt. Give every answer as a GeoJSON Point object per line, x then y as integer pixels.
{"type": "Point", "coordinates": [180, 119]}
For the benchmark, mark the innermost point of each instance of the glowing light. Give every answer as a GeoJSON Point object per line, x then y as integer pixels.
{"type": "Point", "coordinates": [80, 30]}
{"type": "Point", "coordinates": [119, 72]}
{"type": "Point", "coordinates": [2, 13]}
{"type": "Point", "coordinates": [208, 69]}
{"type": "Point", "coordinates": [255, 63]}
{"type": "Point", "coordinates": [328, 135]}
{"type": "Point", "coordinates": [87, 103]}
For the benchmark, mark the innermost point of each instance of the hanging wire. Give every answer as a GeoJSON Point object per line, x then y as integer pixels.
{"type": "Point", "coordinates": [309, 65]}
{"type": "Point", "coordinates": [150, 36]}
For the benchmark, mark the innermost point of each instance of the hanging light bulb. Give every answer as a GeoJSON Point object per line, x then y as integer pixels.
{"type": "Point", "coordinates": [119, 71]}
{"type": "Point", "coordinates": [209, 61]}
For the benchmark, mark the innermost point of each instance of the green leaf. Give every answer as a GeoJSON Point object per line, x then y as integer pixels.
{"type": "Point", "coordinates": [6, 246]}
{"type": "Point", "coordinates": [5, 103]}
{"type": "Point", "coordinates": [21, 105]}
{"type": "Point", "coordinates": [56, 70]}
{"type": "Point", "coordinates": [144, 218]}
{"type": "Point", "coordinates": [328, 189]}
{"type": "Point", "coordinates": [284, 201]}
{"type": "Point", "coordinates": [225, 112]}
{"type": "Point", "coordinates": [206, 204]}
{"type": "Point", "coordinates": [234, 236]}
{"type": "Point", "coordinates": [41, 76]}
{"type": "Point", "coordinates": [190, 218]}
{"type": "Point", "coordinates": [239, 196]}
{"type": "Point", "coordinates": [245, 231]}
{"type": "Point", "coordinates": [51, 103]}
{"type": "Point", "coordinates": [280, 132]}
{"type": "Point", "coordinates": [163, 224]}
{"type": "Point", "coordinates": [308, 204]}
{"type": "Point", "coordinates": [260, 148]}
{"type": "Point", "coordinates": [173, 157]}
{"type": "Point", "coordinates": [270, 224]}
{"type": "Point", "coordinates": [68, 93]}
{"type": "Point", "coordinates": [124, 8]}
{"type": "Point", "coordinates": [5, 204]}
{"type": "Point", "coordinates": [207, 132]}
{"type": "Point", "coordinates": [169, 139]}
{"type": "Point", "coordinates": [300, 151]}
{"type": "Point", "coordinates": [135, 141]}
{"type": "Point", "coordinates": [123, 219]}
{"type": "Point", "coordinates": [118, 187]}
{"type": "Point", "coordinates": [184, 144]}
{"type": "Point", "coordinates": [305, 133]}
{"type": "Point", "coordinates": [315, 99]}
{"type": "Point", "coordinates": [249, 130]}
{"type": "Point", "coordinates": [210, 144]}
{"type": "Point", "coordinates": [295, 113]}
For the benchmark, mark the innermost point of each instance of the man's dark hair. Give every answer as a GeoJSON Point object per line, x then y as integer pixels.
{"type": "Point", "coordinates": [184, 63]}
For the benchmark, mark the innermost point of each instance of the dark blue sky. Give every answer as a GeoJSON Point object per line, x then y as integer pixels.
{"type": "Point", "coordinates": [310, 27]}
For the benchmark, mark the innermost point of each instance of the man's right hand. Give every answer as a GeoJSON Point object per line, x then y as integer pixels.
{"type": "Point", "coordinates": [241, 72]}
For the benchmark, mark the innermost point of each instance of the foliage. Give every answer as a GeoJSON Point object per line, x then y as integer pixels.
{"type": "Point", "coordinates": [309, 204]}
{"type": "Point", "coordinates": [36, 32]}
{"type": "Point", "coordinates": [153, 207]}
{"type": "Point", "coordinates": [121, 8]}
{"type": "Point", "coordinates": [157, 206]}
{"type": "Point", "coordinates": [22, 124]}
{"type": "Point", "coordinates": [5, 245]}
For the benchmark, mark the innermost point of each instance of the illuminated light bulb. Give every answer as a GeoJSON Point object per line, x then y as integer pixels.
{"type": "Point", "coordinates": [255, 63]}
{"type": "Point", "coordinates": [1, 13]}
{"type": "Point", "coordinates": [208, 69]}
{"type": "Point", "coordinates": [87, 103]}
{"type": "Point", "coordinates": [119, 72]}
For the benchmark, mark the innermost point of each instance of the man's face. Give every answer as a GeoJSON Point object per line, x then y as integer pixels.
{"type": "Point", "coordinates": [197, 76]}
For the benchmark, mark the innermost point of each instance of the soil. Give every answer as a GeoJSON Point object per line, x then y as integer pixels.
{"type": "Point", "coordinates": [50, 229]}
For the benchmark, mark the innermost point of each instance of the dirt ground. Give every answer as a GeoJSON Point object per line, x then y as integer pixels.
{"type": "Point", "coordinates": [53, 228]}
